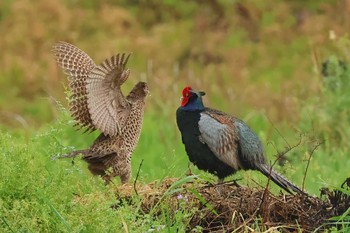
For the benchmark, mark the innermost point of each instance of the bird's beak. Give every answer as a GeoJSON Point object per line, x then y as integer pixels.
{"type": "Point", "coordinates": [199, 93]}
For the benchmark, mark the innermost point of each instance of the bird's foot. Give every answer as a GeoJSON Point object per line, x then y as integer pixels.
{"type": "Point", "coordinates": [219, 188]}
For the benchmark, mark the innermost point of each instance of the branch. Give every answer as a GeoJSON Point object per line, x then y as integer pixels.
{"type": "Point", "coordinates": [309, 159]}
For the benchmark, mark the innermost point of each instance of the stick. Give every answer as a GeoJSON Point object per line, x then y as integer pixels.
{"type": "Point", "coordinates": [308, 162]}
{"type": "Point", "coordinates": [137, 176]}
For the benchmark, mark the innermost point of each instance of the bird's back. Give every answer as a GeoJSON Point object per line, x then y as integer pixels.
{"type": "Point", "coordinates": [133, 125]}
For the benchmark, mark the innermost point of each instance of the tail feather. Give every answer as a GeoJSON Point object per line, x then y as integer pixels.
{"type": "Point", "coordinates": [279, 179]}
{"type": "Point", "coordinates": [72, 154]}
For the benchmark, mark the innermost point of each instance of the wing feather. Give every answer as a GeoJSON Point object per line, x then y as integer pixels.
{"type": "Point", "coordinates": [252, 150]}
{"type": "Point", "coordinates": [218, 132]}
{"type": "Point", "coordinates": [77, 65]}
{"type": "Point", "coordinates": [108, 107]}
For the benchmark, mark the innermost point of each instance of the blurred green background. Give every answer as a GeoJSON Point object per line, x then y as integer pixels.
{"type": "Point", "coordinates": [258, 60]}
{"type": "Point", "coordinates": [281, 66]}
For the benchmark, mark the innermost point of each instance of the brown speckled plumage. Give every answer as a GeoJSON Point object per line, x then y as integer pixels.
{"type": "Point", "coordinates": [96, 102]}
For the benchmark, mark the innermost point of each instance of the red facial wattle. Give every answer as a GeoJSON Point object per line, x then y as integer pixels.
{"type": "Point", "coordinates": [186, 94]}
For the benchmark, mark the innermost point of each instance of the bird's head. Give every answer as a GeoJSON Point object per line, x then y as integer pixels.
{"type": "Point", "coordinates": [140, 91]}
{"type": "Point", "coordinates": [192, 99]}
{"type": "Point", "coordinates": [143, 88]}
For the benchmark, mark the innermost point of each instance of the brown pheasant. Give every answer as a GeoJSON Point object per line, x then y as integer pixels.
{"type": "Point", "coordinates": [96, 102]}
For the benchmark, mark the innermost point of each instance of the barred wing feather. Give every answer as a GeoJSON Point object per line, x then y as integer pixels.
{"type": "Point", "coordinates": [108, 107]}
{"type": "Point", "coordinates": [77, 65]}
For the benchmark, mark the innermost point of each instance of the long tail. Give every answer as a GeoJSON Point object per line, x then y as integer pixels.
{"type": "Point", "coordinates": [72, 154]}
{"type": "Point", "coordinates": [279, 179]}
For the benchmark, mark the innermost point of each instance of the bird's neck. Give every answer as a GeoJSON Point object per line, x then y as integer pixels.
{"type": "Point", "coordinates": [196, 105]}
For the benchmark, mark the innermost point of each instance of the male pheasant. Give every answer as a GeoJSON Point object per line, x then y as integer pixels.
{"type": "Point", "coordinates": [96, 102]}
{"type": "Point", "coordinates": [221, 144]}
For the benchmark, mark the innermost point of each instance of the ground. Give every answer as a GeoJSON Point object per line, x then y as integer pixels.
{"type": "Point", "coordinates": [237, 207]}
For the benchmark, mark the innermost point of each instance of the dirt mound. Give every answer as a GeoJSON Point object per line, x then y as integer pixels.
{"type": "Point", "coordinates": [230, 207]}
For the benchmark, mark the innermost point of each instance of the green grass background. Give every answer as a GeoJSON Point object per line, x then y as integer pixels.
{"type": "Point", "coordinates": [258, 60]}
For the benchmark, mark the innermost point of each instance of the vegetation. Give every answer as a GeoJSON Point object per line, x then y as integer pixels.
{"type": "Point", "coordinates": [259, 60]}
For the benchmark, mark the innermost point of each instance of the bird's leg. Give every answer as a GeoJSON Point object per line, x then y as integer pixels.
{"type": "Point", "coordinates": [124, 178]}
{"type": "Point", "coordinates": [123, 172]}
{"type": "Point", "coordinates": [107, 179]}
{"type": "Point", "coordinates": [218, 186]}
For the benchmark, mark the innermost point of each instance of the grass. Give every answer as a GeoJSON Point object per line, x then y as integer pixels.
{"type": "Point", "coordinates": [261, 64]}
{"type": "Point", "coordinates": [38, 192]}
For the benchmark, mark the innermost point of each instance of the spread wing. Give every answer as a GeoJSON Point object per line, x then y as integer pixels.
{"type": "Point", "coordinates": [77, 65]}
{"type": "Point", "coordinates": [108, 107]}
{"type": "Point", "coordinates": [218, 132]}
